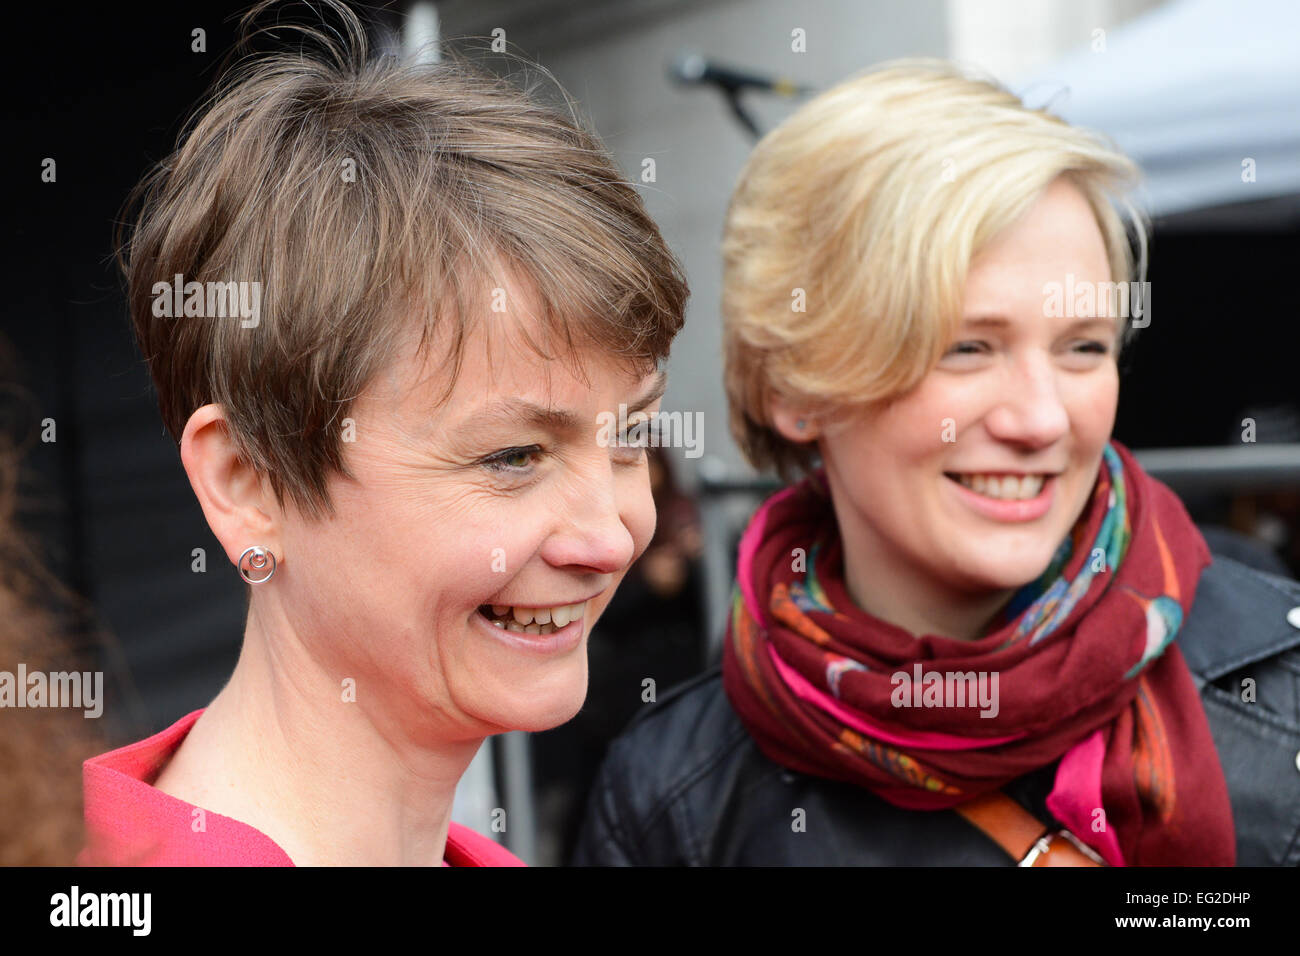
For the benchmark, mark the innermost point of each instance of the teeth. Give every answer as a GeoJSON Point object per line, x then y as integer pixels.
{"type": "Point", "coordinates": [541, 620]}
{"type": "Point", "coordinates": [539, 629]}
{"type": "Point", "coordinates": [1007, 487]}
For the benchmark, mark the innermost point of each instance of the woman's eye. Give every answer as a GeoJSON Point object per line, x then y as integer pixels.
{"type": "Point", "coordinates": [632, 451]}
{"type": "Point", "coordinates": [967, 348]}
{"type": "Point", "coordinates": [637, 434]}
{"type": "Point", "coordinates": [633, 444]}
{"type": "Point", "coordinates": [1098, 348]}
{"type": "Point", "coordinates": [512, 459]}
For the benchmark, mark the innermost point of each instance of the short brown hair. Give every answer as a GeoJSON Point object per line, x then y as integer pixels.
{"type": "Point", "coordinates": [456, 171]}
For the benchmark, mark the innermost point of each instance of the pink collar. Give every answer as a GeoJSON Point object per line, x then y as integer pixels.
{"type": "Point", "coordinates": [131, 822]}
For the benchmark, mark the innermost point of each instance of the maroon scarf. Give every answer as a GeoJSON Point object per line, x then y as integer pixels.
{"type": "Point", "coordinates": [1080, 667]}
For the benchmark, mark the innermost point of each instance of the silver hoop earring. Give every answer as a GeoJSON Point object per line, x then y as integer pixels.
{"type": "Point", "coordinates": [257, 562]}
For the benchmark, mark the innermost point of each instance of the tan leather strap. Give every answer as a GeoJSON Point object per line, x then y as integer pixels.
{"type": "Point", "coordinates": [1022, 835]}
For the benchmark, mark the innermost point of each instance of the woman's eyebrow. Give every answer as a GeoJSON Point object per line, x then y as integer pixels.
{"type": "Point", "coordinates": [999, 321]}
{"type": "Point", "coordinates": [520, 412]}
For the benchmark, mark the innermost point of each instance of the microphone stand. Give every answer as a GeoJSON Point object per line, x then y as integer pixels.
{"type": "Point", "coordinates": [732, 95]}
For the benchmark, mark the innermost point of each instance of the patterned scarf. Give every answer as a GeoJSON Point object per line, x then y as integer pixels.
{"type": "Point", "coordinates": [1079, 666]}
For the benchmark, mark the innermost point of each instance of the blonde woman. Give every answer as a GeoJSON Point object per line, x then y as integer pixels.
{"type": "Point", "coordinates": [396, 444]}
{"type": "Point", "coordinates": [975, 632]}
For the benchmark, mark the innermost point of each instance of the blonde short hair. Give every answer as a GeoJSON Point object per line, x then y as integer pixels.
{"type": "Point", "coordinates": [873, 199]}
{"type": "Point", "coordinates": [370, 195]}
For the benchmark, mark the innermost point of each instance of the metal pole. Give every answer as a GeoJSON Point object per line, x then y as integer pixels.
{"type": "Point", "coordinates": [421, 32]}
{"type": "Point", "coordinates": [517, 774]}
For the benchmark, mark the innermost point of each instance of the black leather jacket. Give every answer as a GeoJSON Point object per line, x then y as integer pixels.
{"type": "Point", "coordinates": [685, 784]}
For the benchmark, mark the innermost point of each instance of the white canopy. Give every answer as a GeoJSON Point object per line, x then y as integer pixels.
{"type": "Point", "coordinates": [1191, 90]}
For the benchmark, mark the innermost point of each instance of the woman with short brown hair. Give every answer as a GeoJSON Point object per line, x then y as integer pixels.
{"type": "Point", "coordinates": [385, 305]}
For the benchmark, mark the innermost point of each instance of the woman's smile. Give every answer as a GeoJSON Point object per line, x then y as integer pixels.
{"type": "Point", "coordinates": [530, 619]}
{"type": "Point", "coordinates": [1005, 496]}
{"type": "Point", "coordinates": [507, 624]}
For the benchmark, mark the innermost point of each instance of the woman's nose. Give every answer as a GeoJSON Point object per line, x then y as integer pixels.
{"type": "Point", "coordinates": [591, 533]}
{"type": "Point", "coordinates": [1030, 410]}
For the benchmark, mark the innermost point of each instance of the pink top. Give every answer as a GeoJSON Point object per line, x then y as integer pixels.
{"type": "Point", "coordinates": [129, 822]}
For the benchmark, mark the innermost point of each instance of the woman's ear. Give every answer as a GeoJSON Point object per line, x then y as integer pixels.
{"type": "Point", "coordinates": [234, 499]}
{"type": "Point", "coordinates": [790, 421]}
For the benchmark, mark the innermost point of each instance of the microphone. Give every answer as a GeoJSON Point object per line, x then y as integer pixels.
{"type": "Point", "coordinates": [694, 70]}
